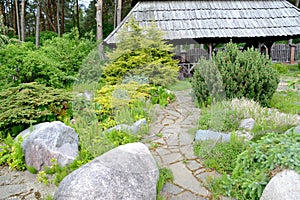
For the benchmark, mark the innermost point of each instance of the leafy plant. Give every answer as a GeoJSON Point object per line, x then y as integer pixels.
{"type": "Point", "coordinates": [161, 96]}
{"type": "Point", "coordinates": [118, 138]}
{"type": "Point", "coordinates": [142, 52]}
{"type": "Point", "coordinates": [218, 155]}
{"type": "Point", "coordinates": [11, 153]}
{"type": "Point", "coordinates": [55, 173]}
{"type": "Point", "coordinates": [165, 175]}
{"type": "Point", "coordinates": [31, 103]}
{"type": "Point", "coordinates": [112, 98]}
{"type": "Point", "coordinates": [255, 166]}
{"type": "Point", "coordinates": [235, 74]}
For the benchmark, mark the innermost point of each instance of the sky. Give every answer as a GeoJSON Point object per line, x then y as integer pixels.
{"type": "Point", "coordinates": [84, 2]}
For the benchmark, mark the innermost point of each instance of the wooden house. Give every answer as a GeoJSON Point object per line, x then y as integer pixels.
{"type": "Point", "coordinates": [257, 23]}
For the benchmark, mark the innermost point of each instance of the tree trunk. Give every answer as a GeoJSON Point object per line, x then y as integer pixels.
{"type": "Point", "coordinates": [37, 25]}
{"type": "Point", "coordinates": [23, 20]}
{"type": "Point", "coordinates": [17, 19]}
{"type": "Point", "coordinates": [62, 16]}
{"type": "Point", "coordinates": [57, 18]}
{"type": "Point", "coordinates": [77, 15]}
{"type": "Point", "coordinates": [115, 14]}
{"type": "Point", "coordinates": [2, 17]}
{"type": "Point", "coordinates": [99, 6]}
{"type": "Point", "coordinates": [297, 3]}
{"type": "Point", "coordinates": [119, 12]}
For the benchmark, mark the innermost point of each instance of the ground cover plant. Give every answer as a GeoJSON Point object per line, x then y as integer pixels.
{"type": "Point", "coordinates": [218, 155]}
{"type": "Point", "coordinates": [256, 166]}
{"type": "Point", "coordinates": [226, 116]}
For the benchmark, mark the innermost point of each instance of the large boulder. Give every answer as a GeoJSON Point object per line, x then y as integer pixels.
{"type": "Point", "coordinates": [211, 135]}
{"type": "Point", "coordinates": [49, 140]}
{"type": "Point", "coordinates": [126, 172]}
{"type": "Point", "coordinates": [284, 185]}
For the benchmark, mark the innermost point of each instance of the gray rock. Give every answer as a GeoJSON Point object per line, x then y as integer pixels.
{"type": "Point", "coordinates": [46, 141]}
{"type": "Point", "coordinates": [121, 127]}
{"type": "Point", "coordinates": [86, 95]}
{"type": "Point", "coordinates": [244, 134]}
{"type": "Point", "coordinates": [211, 135]}
{"type": "Point", "coordinates": [22, 185]}
{"type": "Point", "coordinates": [284, 185]}
{"type": "Point", "coordinates": [126, 172]}
{"type": "Point", "coordinates": [131, 129]}
{"type": "Point", "coordinates": [138, 125]}
{"type": "Point", "coordinates": [295, 130]}
{"type": "Point", "coordinates": [247, 124]}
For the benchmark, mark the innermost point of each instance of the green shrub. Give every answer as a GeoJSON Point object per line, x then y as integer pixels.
{"type": "Point", "coordinates": [141, 51]}
{"type": "Point", "coordinates": [235, 74]}
{"type": "Point", "coordinates": [111, 98]}
{"type": "Point", "coordinates": [11, 153]}
{"type": "Point", "coordinates": [280, 68]}
{"type": "Point", "coordinates": [255, 166]}
{"type": "Point", "coordinates": [55, 64]}
{"type": "Point", "coordinates": [31, 103]}
{"type": "Point", "coordinates": [220, 155]}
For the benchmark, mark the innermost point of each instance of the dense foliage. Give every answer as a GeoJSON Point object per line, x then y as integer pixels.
{"type": "Point", "coordinates": [255, 166]}
{"type": "Point", "coordinates": [11, 153]}
{"type": "Point", "coordinates": [55, 64]}
{"type": "Point", "coordinates": [235, 74]}
{"type": "Point", "coordinates": [141, 51]}
{"type": "Point", "coordinates": [220, 155]}
{"type": "Point", "coordinates": [31, 103]}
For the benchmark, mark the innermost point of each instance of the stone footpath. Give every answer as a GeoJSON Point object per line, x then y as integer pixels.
{"type": "Point", "coordinates": [172, 146]}
{"type": "Point", "coordinates": [15, 185]}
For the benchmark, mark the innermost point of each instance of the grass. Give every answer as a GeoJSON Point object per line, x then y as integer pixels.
{"type": "Point", "coordinates": [218, 155]}
{"type": "Point", "coordinates": [165, 175]}
{"type": "Point", "coordinates": [180, 85]}
{"type": "Point", "coordinates": [287, 102]}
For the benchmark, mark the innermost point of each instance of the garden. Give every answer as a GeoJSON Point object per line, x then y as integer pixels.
{"type": "Point", "coordinates": [243, 85]}
{"type": "Point", "coordinates": [66, 79]}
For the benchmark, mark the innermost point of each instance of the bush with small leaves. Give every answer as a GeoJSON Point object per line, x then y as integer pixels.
{"type": "Point", "coordinates": [31, 103]}
{"type": "Point", "coordinates": [235, 74]}
{"type": "Point", "coordinates": [141, 51]}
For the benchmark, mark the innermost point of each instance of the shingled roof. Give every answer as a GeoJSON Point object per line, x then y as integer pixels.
{"type": "Point", "coordinates": [204, 19]}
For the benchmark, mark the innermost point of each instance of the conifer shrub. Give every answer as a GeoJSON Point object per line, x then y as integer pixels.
{"type": "Point", "coordinates": [141, 51]}
{"type": "Point", "coordinates": [31, 103]}
{"type": "Point", "coordinates": [235, 74]}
